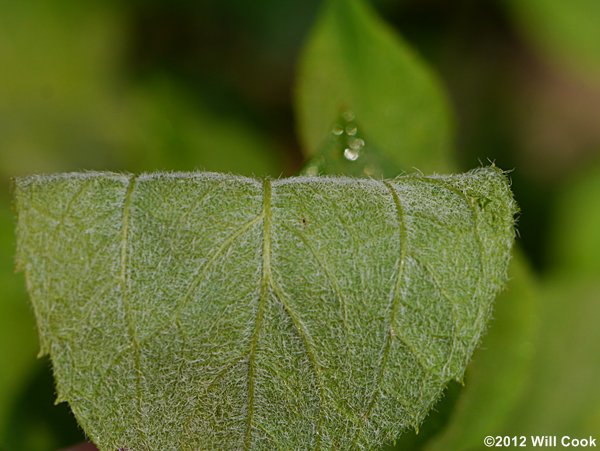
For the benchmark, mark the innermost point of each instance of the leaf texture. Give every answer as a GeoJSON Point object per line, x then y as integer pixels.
{"type": "Point", "coordinates": [208, 311]}
{"type": "Point", "coordinates": [500, 370]}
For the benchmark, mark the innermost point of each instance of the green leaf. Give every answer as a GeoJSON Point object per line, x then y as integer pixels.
{"type": "Point", "coordinates": [178, 132]}
{"type": "Point", "coordinates": [211, 311]}
{"type": "Point", "coordinates": [563, 394]}
{"type": "Point", "coordinates": [567, 31]}
{"type": "Point", "coordinates": [500, 370]}
{"type": "Point", "coordinates": [574, 240]}
{"type": "Point", "coordinates": [60, 93]}
{"type": "Point", "coordinates": [363, 67]}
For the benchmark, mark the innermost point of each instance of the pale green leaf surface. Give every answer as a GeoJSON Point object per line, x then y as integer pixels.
{"type": "Point", "coordinates": [206, 311]}
{"type": "Point", "coordinates": [365, 68]}
{"type": "Point", "coordinates": [500, 369]}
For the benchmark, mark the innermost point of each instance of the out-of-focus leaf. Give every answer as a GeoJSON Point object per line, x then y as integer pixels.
{"type": "Point", "coordinates": [175, 132]}
{"type": "Point", "coordinates": [205, 310]}
{"type": "Point", "coordinates": [35, 422]}
{"type": "Point", "coordinates": [60, 105]}
{"type": "Point", "coordinates": [354, 64]}
{"type": "Point", "coordinates": [67, 106]}
{"type": "Point", "coordinates": [563, 394]}
{"type": "Point", "coordinates": [574, 240]}
{"type": "Point", "coordinates": [500, 369]}
{"type": "Point", "coordinates": [566, 30]}
{"type": "Point", "coordinates": [18, 343]}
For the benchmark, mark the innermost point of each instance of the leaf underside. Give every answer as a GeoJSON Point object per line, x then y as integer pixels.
{"type": "Point", "coordinates": [207, 311]}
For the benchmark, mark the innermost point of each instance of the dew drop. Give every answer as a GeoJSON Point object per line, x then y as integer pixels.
{"type": "Point", "coordinates": [357, 143]}
{"type": "Point", "coordinates": [311, 171]}
{"type": "Point", "coordinates": [369, 171]}
{"type": "Point", "coordinates": [351, 130]}
{"type": "Point", "coordinates": [351, 154]}
{"type": "Point", "coordinates": [337, 130]}
{"type": "Point", "coordinates": [348, 115]}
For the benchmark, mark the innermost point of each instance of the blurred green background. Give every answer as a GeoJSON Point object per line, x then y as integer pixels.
{"type": "Point", "coordinates": [183, 85]}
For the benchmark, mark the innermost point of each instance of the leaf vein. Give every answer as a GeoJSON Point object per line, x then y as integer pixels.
{"type": "Point", "coordinates": [62, 218]}
{"type": "Point", "coordinates": [475, 219]}
{"type": "Point", "coordinates": [453, 306]}
{"type": "Point", "coordinates": [225, 245]}
{"type": "Point", "coordinates": [124, 278]}
{"type": "Point", "coordinates": [311, 355]}
{"type": "Point", "coordinates": [328, 274]}
{"type": "Point", "coordinates": [264, 294]}
{"type": "Point", "coordinates": [395, 301]}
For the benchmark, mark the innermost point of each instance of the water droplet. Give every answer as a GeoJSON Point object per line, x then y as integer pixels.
{"type": "Point", "coordinates": [337, 130]}
{"type": "Point", "coordinates": [348, 115]}
{"type": "Point", "coordinates": [357, 143]}
{"type": "Point", "coordinates": [351, 154]}
{"type": "Point", "coordinates": [351, 130]}
{"type": "Point", "coordinates": [369, 171]}
{"type": "Point", "coordinates": [311, 171]}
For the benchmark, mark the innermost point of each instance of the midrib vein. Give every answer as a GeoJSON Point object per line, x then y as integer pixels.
{"type": "Point", "coordinates": [260, 310]}
{"type": "Point", "coordinates": [124, 282]}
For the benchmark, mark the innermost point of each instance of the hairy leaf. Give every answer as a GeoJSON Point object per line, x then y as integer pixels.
{"type": "Point", "coordinates": [366, 70]}
{"type": "Point", "coordinates": [206, 311]}
{"type": "Point", "coordinates": [500, 369]}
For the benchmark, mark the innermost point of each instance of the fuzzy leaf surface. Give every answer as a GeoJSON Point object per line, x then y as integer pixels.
{"type": "Point", "coordinates": [207, 311]}
{"type": "Point", "coordinates": [499, 372]}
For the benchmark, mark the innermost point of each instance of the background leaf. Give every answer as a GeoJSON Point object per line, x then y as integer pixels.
{"type": "Point", "coordinates": [566, 31]}
{"type": "Point", "coordinates": [173, 131]}
{"type": "Point", "coordinates": [566, 368]}
{"type": "Point", "coordinates": [68, 103]}
{"type": "Point", "coordinates": [574, 239]}
{"type": "Point", "coordinates": [310, 310]}
{"type": "Point", "coordinates": [18, 344]}
{"type": "Point", "coordinates": [354, 62]}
